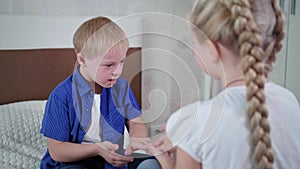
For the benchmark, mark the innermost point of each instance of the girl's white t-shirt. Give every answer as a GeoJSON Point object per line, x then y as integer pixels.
{"type": "Point", "coordinates": [94, 131]}
{"type": "Point", "coordinates": [216, 132]}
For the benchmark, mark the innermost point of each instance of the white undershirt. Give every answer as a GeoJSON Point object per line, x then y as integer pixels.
{"type": "Point", "coordinates": [94, 131]}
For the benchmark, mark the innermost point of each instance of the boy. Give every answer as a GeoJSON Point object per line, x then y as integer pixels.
{"type": "Point", "coordinates": [85, 115]}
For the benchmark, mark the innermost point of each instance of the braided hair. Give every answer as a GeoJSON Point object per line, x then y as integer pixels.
{"type": "Point", "coordinates": [244, 26]}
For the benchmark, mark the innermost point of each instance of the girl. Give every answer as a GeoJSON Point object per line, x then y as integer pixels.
{"type": "Point", "coordinates": [236, 41]}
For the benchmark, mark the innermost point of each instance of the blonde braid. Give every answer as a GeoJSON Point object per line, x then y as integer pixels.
{"type": "Point", "coordinates": [278, 35]}
{"type": "Point", "coordinates": [250, 44]}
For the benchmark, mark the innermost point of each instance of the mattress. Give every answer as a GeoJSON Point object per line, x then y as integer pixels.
{"type": "Point", "coordinates": [21, 144]}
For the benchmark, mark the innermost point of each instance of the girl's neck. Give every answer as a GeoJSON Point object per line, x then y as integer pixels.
{"type": "Point", "coordinates": [237, 81]}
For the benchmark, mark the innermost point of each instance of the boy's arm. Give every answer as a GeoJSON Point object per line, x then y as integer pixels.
{"type": "Point", "coordinates": [135, 124]}
{"type": "Point", "coordinates": [138, 135]}
{"type": "Point", "coordinates": [69, 152]}
{"type": "Point", "coordinates": [137, 128]}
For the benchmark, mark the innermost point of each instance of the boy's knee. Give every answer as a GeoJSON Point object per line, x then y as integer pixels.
{"type": "Point", "coordinates": [149, 164]}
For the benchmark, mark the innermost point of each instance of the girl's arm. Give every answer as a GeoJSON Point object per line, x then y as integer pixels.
{"type": "Point", "coordinates": [184, 160]}
{"type": "Point", "coordinates": [172, 157]}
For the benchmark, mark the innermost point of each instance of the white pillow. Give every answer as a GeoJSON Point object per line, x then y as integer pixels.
{"type": "Point", "coordinates": [21, 144]}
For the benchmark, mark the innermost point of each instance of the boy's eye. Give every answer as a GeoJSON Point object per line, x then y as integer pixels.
{"type": "Point", "coordinates": [108, 65]}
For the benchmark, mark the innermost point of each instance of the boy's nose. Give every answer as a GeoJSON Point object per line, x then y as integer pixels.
{"type": "Point", "coordinates": [117, 71]}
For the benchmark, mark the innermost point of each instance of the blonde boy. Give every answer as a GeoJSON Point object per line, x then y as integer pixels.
{"type": "Point", "coordinates": [85, 114]}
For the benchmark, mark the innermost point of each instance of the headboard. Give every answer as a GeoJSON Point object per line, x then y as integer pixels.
{"type": "Point", "coordinates": [32, 74]}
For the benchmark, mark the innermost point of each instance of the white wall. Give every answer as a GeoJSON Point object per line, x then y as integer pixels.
{"type": "Point", "coordinates": [35, 31]}
{"type": "Point", "coordinates": [293, 51]}
{"type": "Point", "coordinates": [156, 26]}
{"type": "Point", "coordinates": [39, 31]}
{"type": "Point", "coordinates": [286, 70]}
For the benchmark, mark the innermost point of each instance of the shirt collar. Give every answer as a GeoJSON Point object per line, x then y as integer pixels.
{"type": "Point", "coordinates": [80, 82]}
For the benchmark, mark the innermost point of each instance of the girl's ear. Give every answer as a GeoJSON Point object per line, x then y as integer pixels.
{"type": "Point", "coordinates": [214, 49]}
{"type": "Point", "coordinates": [80, 59]}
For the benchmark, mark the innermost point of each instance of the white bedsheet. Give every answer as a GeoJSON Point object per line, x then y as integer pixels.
{"type": "Point", "coordinates": [21, 144]}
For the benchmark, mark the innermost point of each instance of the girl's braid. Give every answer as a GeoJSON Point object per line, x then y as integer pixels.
{"type": "Point", "coordinates": [250, 48]}
{"type": "Point", "coordinates": [278, 36]}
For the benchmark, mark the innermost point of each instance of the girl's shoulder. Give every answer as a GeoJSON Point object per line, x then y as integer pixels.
{"type": "Point", "coordinates": [273, 90]}
{"type": "Point", "coordinates": [186, 124]}
{"type": "Point", "coordinates": [192, 110]}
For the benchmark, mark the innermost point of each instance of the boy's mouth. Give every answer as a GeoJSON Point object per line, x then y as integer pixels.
{"type": "Point", "coordinates": [112, 80]}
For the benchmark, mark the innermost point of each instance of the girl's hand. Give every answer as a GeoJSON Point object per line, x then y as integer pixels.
{"type": "Point", "coordinates": [163, 150]}
{"type": "Point", "coordinates": [107, 151]}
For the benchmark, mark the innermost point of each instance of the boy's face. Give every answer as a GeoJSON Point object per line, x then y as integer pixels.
{"type": "Point", "coordinates": [105, 70]}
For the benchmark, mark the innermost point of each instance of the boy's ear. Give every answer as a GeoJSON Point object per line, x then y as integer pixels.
{"type": "Point", "coordinates": [214, 49]}
{"type": "Point", "coordinates": [80, 59]}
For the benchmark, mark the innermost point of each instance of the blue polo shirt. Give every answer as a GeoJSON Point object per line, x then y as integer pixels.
{"type": "Point", "coordinates": [68, 112]}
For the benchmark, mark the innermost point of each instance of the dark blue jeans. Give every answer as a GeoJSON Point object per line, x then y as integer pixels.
{"type": "Point", "coordinates": [140, 161]}
{"type": "Point", "coordinates": [96, 162]}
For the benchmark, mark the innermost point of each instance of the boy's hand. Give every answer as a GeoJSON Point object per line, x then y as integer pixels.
{"type": "Point", "coordinates": [107, 151]}
{"type": "Point", "coordinates": [136, 144]}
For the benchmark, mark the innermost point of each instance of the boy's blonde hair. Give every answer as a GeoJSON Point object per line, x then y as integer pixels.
{"type": "Point", "coordinates": [254, 30]}
{"type": "Point", "coordinates": [97, 36]}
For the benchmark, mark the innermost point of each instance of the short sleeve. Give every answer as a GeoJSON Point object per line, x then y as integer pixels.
{"type": "Point", "coordinates": [125, 100]}
{"type": "Point", "coordinates": [184, 130]}
{"type": "Point", "coordinates": [133, 108]}
{"type": "Point", "coordinates": [55, 122]}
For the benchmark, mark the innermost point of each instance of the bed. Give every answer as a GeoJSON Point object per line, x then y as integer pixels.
{"type": "Point", "coordinates": [27, 78]}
